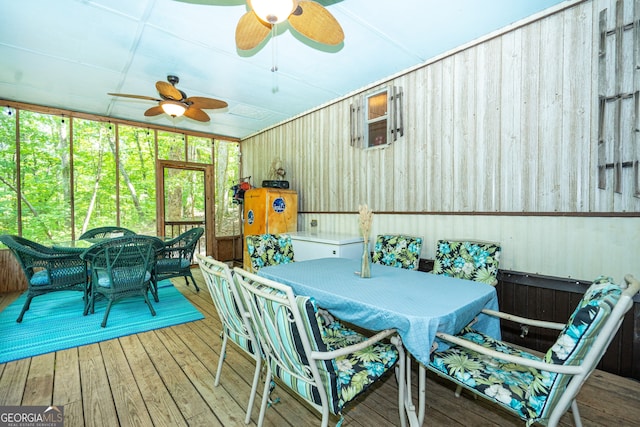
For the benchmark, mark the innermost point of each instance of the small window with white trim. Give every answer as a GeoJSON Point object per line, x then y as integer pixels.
{"type": "Point", "coordinates": [376, 115]}
{"type": "Point", "coordinates": [376, 118]}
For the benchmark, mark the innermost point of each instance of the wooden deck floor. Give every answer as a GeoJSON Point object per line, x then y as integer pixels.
{"type": "Point", "coordinates": [165, 378]}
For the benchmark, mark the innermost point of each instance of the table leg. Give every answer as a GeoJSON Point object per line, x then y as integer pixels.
{"type": "Point", "coordinates": [415, 418]}
{"type": "Point", "coordinates": [400, 378]}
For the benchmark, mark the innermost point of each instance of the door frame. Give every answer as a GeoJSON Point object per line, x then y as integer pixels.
{"type": "Point", "coordinates": [209, 205]}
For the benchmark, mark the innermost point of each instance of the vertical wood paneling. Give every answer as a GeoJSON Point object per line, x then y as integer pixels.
{"type": "Point", "coordinates": [433, 163]}
{"type": "Point", "coordinates": [511, 150]}
{"type": "Point", "coordinates": [465, 158]}
{"type": "Point", "coordinates": [529, 131]}
{"type": "Point", "coordinates": [13, 279]}
{"type": "Point", "coordinates": [578, 103]}
{"type": "Point", "coordinates": [507, 125]}
{"type": "Point", "coordinates": [446, 135]}
{"type": "Point", "coordinates": [487, 190]}
{"type": "Point", "coordinates": [550, 114]}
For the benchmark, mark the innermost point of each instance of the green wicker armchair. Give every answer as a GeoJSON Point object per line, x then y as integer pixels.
{"type": "Point", "coordinates": [175, 258]}
{"type": "Point", "coordinates": [47, 270]}
{"type": "Point", "coordinates": [120, 268]}
{"type": "Point", "coordinates": [107, 232]}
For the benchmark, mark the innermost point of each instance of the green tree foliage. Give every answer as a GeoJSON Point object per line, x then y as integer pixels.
{"type": "Point", "coordinates": [8, 178]}
{"type": "Point", "coordinates": [91, 168]}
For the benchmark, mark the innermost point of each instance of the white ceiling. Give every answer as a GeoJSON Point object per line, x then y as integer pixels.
{"type": "Point", "coordinates": [70, 53]}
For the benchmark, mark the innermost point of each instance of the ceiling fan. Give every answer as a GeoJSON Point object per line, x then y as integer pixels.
{"type": "Point", "coordinates": [175, 103]}
{"type": "Point", "coordinates": [308, 18]}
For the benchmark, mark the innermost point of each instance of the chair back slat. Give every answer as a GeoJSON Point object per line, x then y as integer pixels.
{"type": "Point", "coordinates": [123, 262]}
{"type": "Point", "coordinates": [579, 338]}
{"type": "Point", "coordinates": [228, 303]}
{"type": "Point", "coordinates": [288, 330]}
{"type": "Point", "coordinates": [107, 232]}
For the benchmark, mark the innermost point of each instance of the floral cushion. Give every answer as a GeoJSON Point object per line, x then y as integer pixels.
{"type": "Point", "coordinates": [269, 249]}
{"type": "Point", "coordinates": [467, 260]}
{"type": "Point", "coordinates": [529, 392]}
{"type": "Point", "coordinates": [343, 378]}
{"type": "Point", "coordinates": [398, 251]}
{"type": "Point", "coordinates": [357, 371]}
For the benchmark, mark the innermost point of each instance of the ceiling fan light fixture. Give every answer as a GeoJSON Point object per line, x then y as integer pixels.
{"type": "Point", "coordinates": [173, 108]}
{"type": "Point", "coordinates": [273, 11]}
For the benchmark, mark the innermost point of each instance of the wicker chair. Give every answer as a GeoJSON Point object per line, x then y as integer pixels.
{"type": "Point", "coordinates": [106, 232]}
{"type": "Point", "coordinates": [235, 327]}
{"type": "Point", "coordinates": [120, 268]}
{"type": "Point", "coordinates": [539, 389]}
{"type": "Point", "coordinates": [327, 366]}
{"type": "Point", "coordinates": [397, 251]}
{"type": "Point", "coordinates": [269, 249]}
{"type": "Point", "coordinates": [47, 270]}
{"type": "Point", "coordinates": [175, 258]}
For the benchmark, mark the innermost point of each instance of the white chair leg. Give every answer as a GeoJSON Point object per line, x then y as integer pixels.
{"type": "Point", "coordinates": [458, 391]}
{"type": "Point", "coordinates": [576, 414]}
{"type": "Point", "coordinates": [400, 377]}
{"type": "Point", "coordinates": [223, 352]}
{"type": "Point", "coordinates": [254, 389]}
{"type": "Point", "coordinates": [265, 396]}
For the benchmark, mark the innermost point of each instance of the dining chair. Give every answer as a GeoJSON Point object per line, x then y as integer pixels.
{"type": "Point", "coordinates": [539, 389]}
{"type": "Point", "coordinates": [327, 366]}
{"type": "Point", "coordinates": [46, 269]}
{"type": "Point", "coordinates": [466, 259]}
{"type": "Point", "coordinates": [269, 249]}
{"type": "Point", "coordinates": [120, 268]}
{"type": "Point", "coordinates": [235, 327]}
{"type": "Point", "coordinates": [174, 259]}
{"type": "Point", "coordinates": [106, 232]}
{"type": "Point", "coordinates": [397, 250]}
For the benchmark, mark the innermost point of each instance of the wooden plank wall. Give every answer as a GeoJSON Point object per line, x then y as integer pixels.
{"type": "Point", "coordinates": [507, 126]}
{"type": "Point", "coordinates": [11, 276]}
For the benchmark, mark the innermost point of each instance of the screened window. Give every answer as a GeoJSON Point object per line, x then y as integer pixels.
{"type": "Point", "coordinates": [94, 171]}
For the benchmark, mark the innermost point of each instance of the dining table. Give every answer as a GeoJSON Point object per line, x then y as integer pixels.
{"type": "Point", "coordinates": [414, 303]}
{"type": "Point", "coordinates": [76, 246]}
{"type": "Point", "coordinates": [81, 245]}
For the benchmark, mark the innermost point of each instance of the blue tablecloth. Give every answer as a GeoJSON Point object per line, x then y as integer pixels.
{"type": "Point", "coordinates": [415, 303]}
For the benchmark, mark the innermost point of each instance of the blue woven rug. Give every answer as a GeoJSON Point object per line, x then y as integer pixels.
{"type": "Point", "coordinates": [55, 321]}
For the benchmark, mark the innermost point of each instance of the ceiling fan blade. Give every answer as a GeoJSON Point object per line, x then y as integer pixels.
{"type": "Point", "coordinates": [126, 95]}
{"type": "Point", "coordinates": [206, 103]}
{"type": "Point", "coordinates": [251, 31]}
{"type": "Point", "coordinates": [317, 23]}
{"type": "Point", "coordinates": [196, 114]}
{"type": "Point", "coordinates": [167, 90]}
{"type": "Point", "coordinates": [154, 111]}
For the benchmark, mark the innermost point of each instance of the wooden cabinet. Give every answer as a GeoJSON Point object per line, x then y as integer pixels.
{"type": "Point", "coordinates": [308, 245]}
{"type": "Point", "coordinates": [268, 210]}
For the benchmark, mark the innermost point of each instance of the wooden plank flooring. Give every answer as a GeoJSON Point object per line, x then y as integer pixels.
{"type": "Point", "coordinates": [165, 378]}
